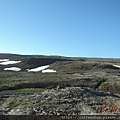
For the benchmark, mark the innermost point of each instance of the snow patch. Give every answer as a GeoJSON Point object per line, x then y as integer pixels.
{"type": "Point", "coordinates": [3, 60]}
{"type": "Point", "coordinates": [48, 71]}
{"type": "Point", "coordinates": [116, 66]}
{"type": "Point", "coordinates": [13, 69]}
{"type": "Point", "coordinates": [9, 62]}
{"type": "Point", "coordinates": [38, 68]}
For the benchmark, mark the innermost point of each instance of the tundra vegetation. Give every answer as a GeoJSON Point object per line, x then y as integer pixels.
{"type": "Point", "coordinates": [79, 86]}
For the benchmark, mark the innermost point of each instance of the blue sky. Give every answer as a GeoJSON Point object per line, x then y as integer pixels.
{"type": "Point", "coordinates": [84, 28]}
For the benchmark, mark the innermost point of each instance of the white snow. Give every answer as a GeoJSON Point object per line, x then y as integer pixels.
{"type": "Point", "coordinates": [3, 60]}
{"type": "Point", "coordinates": [38, 68]}
{"type": "Point", "coordinates": [13, 69]}
{"type": "Point", "coordinates": [9, 62]}
{"type": "Point", "coordinates": [48, 71]}
{"type": "Point", "coordinates": [116, 66]}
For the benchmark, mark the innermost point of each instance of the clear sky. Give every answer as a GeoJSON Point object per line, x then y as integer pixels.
{"type": "Point", "coordinates": [84, 28]}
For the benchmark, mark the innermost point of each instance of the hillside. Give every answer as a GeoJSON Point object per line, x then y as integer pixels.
{"type": "Point", "coordinates": [39, 75]}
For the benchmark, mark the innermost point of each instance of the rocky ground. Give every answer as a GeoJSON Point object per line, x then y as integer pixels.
{"type": "Point", "coordinates": [66, 101]}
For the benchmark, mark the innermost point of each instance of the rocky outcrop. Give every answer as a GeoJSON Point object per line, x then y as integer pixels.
{"type": "Point", "coordinates": [67, 101]}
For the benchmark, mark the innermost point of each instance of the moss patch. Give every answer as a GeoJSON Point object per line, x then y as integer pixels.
{"type": "Point", "coordinates": [26, 90]}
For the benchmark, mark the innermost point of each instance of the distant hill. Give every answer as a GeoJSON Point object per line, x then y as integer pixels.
{"type": "Point", "coordinates": [31, 61]}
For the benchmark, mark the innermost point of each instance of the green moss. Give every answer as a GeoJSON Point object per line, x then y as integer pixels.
{"type": "Point", "coordinates": [7, 84]}
{"type": "Point", "coordinates": [10, 103]}
{"type": "Point", "coordinates": [27, 104]}
{"type": "Point", "coordinates": [103, 83]}
{"type": "Point", "coordinates": [117, 99]}
{"type": "Point", "coordinates": [26, 90]}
